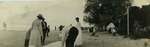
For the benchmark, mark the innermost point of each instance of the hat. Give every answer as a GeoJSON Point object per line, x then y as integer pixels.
{"type": "Point", "coordinates": [77, 18]}
{"type": "Point", "coordinates": [40, 15]}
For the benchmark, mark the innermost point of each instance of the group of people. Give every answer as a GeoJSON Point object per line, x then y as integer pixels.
{"type": "Point", "coordinates": [35, 37]}
{"type": "Point", "coordinates": [72, 35]}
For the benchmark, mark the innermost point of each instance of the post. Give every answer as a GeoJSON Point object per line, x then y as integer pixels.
{"type": "Point", "coordinates": [128, 20]}
{"type": "Point", "coordinates": [128, 17]}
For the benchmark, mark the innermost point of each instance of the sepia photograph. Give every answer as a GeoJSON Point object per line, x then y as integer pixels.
{"type": "Point", "coordinates": [74, 23]}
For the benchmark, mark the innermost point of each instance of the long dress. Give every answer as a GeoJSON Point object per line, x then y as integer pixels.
{"type": "Point", "coordinates": [36, 34]}
{"type": "Point", "coordinates": [72, 35]}
{"type": "Point", "coordinates": [78, 41]}
{"type": "Point", "coordinates": [64, 35]}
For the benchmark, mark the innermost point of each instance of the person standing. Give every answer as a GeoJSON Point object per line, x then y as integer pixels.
{"type": "Point", "coordinates": [55, 28]}
{"type": "Point", "coordinates": [4, 26]}
{"type": "Point", "coordinates": [36, 32]}
{"type": "Point", "coordinates": [78, 42]}
{"type": "Point", "coordinates": [64, 34]}
{"type": "Point", "coordinates": [71, 37]}
{"type": "Point", "coordinates": [27, 39]}
{"type": "Point", "coordinates": [48, 30]}
{"type": "Point", "coordinates": [45, 30]}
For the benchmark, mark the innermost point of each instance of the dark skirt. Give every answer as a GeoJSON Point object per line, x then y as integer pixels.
{"type": "Point", "coordinates": [26, 43]}
{"type": "Point", "coordinates": [73, 33]}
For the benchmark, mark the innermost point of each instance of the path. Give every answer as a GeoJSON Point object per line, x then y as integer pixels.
{"type": "Point", "coordinates": [106, 40]}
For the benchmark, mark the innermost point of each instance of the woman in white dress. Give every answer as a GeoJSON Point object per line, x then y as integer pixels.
{"type": "Point", "coordinates": [78, 41]}
{"type": "Point", "coordinates": [36, 33]}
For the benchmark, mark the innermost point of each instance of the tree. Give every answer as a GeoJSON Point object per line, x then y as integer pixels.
{"type": "Point", "coordinates": [101, 12]}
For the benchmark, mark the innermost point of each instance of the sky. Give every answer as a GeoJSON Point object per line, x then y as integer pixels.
{"type": "Point", "coordinates": [140, 2]}
{"type": "Point", "coordinates": [19, 14]}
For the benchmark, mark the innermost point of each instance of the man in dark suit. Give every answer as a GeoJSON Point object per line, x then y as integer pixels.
{"type": "Point", "coordinates": [45, 30]}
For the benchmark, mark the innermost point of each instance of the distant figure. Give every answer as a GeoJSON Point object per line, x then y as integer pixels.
{"type": "Point", "coordinates": [35, 33]}
{"type": "Point", "coordinates": [78, 42]}
{"type": "Point", "coordinates": [112, 28]}
{"type": "Point", "coordinates": [55, 27]}
{"type": "Point", "coordinates": [4, 26]}
{"type": "Point", "coordinates": [91, 29]}
{"type": "Point", "coordinates": [71, 37]}
{"type": "Point", "coordinates": [27, 39]}
{"type": "Point", "coordinates": [45, 30]}
{"type": "Point", "coordinates": [94, 31]}
{"type": "Point", "coordinates": [61, 27]}
{"type": "Point", "coordinates": [48, 30]}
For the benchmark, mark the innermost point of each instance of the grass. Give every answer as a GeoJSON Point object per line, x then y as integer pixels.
{"type": "Point", "coordinates": [14, 38]}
